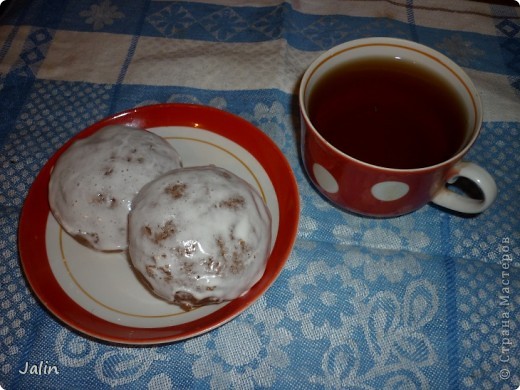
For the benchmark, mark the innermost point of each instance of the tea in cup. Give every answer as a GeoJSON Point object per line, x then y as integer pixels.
{"type": "Point", "coordinates": [385, 125]}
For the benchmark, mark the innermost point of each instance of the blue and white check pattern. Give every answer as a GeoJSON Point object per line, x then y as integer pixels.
{"type": "Point", "coordinates": [427, 300]}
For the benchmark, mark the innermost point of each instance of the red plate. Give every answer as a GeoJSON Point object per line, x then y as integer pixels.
{"type": "Point", "coordinates": [96, 293]}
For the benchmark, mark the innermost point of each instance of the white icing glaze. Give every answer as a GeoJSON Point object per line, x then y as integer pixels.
{"type": "Point", "coordinates": [94, 181]}
{"type": "Point", "coordinates": [202, 231]}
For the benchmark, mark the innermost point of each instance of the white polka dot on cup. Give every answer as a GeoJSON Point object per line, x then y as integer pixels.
{"type": "Point", "coordinates": [325, 179]}
{"type": "Point", "coordinates": [388, 191]}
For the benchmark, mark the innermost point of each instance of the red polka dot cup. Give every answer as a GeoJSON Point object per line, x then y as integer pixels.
{"type": "Point", "coordinates": [352, 171]}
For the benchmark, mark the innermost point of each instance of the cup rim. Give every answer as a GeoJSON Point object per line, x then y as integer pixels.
{"type": "Point", "coordinates": [433, 54]}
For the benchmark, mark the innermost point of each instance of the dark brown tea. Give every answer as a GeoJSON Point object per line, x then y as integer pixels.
{"type": "Point", "coordinates": [389, 113]}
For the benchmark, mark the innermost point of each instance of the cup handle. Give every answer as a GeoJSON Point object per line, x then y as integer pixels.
{"type": "Point", "coordinates": [464, 204]}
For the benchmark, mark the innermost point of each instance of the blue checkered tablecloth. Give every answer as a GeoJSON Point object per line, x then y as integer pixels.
{"type": "Point", "coordinates": [427, 300]}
